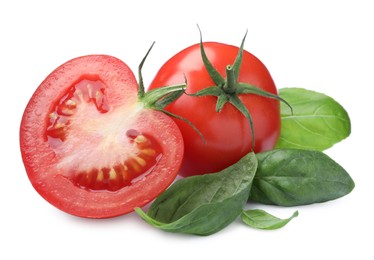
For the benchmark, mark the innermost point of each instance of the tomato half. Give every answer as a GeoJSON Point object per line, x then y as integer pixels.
{"type": "Point", "coordinates": [227, 133]}
{"type": "Point", "coordinates": [90, 146]}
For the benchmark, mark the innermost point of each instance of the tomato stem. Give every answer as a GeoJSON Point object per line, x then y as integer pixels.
{"type": "Point", "coordinates": [231, 82]}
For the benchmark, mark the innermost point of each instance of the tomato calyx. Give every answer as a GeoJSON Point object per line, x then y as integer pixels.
{"type": "Point", "coordinates": [227, 90]}
{"type": "Point", "coordinates": [159, 98]}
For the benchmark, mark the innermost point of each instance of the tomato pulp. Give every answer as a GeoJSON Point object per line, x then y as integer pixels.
{"type": "Point", "coordinates": [227, 133]}
{"type": "Point", "coordinates": [90, 146]}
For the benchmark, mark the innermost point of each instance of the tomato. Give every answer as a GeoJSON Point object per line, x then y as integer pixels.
{"type": "Point", "coordinates": [91, 145]}
{"type": "Point", "coordinates": [227, 133]}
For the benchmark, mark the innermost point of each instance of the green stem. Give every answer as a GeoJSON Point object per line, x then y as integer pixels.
{"type": "Point", "coordinates": [213, 73]}
{"type": "Point", "coordinates": [230, 86]}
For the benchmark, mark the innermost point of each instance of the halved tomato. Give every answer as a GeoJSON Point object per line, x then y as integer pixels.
{"type": "Point", "coordinates": [95, 146]}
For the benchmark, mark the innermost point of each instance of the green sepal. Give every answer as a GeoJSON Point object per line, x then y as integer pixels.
{"type": "Point", "coordinates": [184, 120]}
{"type": "Point", "coordinates": [221, 101]}
{"type": "Point", "coordinates": [141, 90]}
{"type": "Point", "coordinates": [222, 97]}
{"type": "Point", "coordinates": [245, 88]}
{"type": "Point", "coordinates": [161, 97]}
{"type": "Point", "coordinates": [236, 102]}
{"type": "Point", "coordinates": [209, 91]}
{"type": "Point", "coordinates": [213, 73]}
{"type": "Point", "coordinates": [170, 98]}
{"type": "Point", "coordinates": [239, 58]}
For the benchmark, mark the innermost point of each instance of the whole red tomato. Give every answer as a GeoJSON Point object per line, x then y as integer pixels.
{"type": "Point", "coordinates": [91, 143]}
{"type": "Point", "coordinates": [222, 114]}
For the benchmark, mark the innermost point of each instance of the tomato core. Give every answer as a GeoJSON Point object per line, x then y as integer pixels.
{"type": "Point", "coordinates": [123, 174]}
{"type": "Point", "coordinates": [72, 111]}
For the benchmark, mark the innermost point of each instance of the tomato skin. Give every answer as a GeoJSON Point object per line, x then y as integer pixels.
{"type": "Point", "coordinates": [227, 133]}
{"type": "Point", "coordinates": [43, 163]}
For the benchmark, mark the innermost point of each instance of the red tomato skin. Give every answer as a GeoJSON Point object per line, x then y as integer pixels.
{"type": "Point", "coordinates": [227, 133]}
{"type": "Point", "coordinates": [40, 160]}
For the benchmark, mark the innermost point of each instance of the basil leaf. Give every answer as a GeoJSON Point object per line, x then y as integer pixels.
{"type": "Point", "coordinates": [204, 204]}
{"type": "Point", "coordinates": [317, 122]}
{"type": "Point", "coordinates": [260, 219]}
{"type": "Point", "coordinates": [289, 177]}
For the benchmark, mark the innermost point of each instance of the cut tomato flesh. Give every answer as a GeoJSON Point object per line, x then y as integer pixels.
{"type": "Point", "coordinates": [130, 156]}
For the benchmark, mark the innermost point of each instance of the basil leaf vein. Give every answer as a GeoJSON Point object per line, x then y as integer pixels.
{"type": "Point", "coordinates": [205, 204]}
{"type": "Point", "coordinates": [317, 122]}
{"type": "Point", "coordinates": [290, 177]}
{"type": "Point", "coordinates": [260, 219]}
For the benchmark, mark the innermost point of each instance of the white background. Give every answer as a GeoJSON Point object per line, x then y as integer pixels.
{"type": "Point", "coordinates": [325, 46]}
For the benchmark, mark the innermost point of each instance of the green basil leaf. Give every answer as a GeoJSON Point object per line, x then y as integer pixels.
{"type": "Point", "coordinates": [204, 204]}
{"type": "Point", "coordinates": [290, 177]}
{"type": "Point", "coordinates": [260, 219]}
{"type": "Point", "coordinates": [317, 122]}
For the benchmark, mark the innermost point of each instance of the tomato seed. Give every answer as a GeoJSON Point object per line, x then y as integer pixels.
{"type": "Point", "coordinates": [71, 103]}
{"type": "Point", "coordinates": [67, 111]}
{"type": "Point", "coordinates": [140, 139]}
{"type": "Point", "coordinates": [100, 176]}
{"type": "Point", "coordinates": [89, 88]}
{"type": "Point", "coordinates": [148, 151]}
{"type": "Point", "coordinates": [140, 161]}
{"type": "Point", "coordinates": [112, 174]}
{"type": "Point", "coordinates": [53, 115]}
